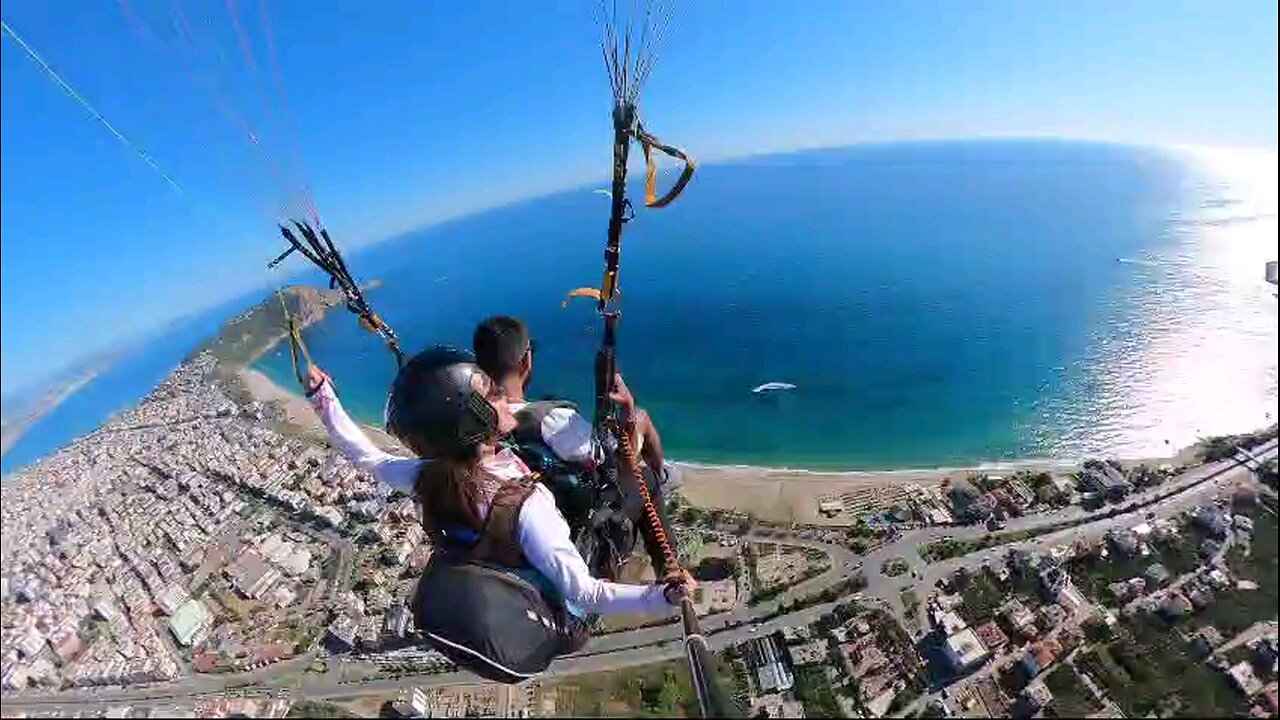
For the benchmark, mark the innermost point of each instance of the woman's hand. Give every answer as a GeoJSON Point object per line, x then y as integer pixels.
{"type": "Point", "coordinates": [621, 394]}
{"type": "Point", "coordinates": [316, 378]}
{"type": "Point", "coordinates": [679, 585]}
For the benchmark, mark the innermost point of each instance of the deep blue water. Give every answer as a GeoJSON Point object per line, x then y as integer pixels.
{"type": "Point", "coordinates": [935, 304]}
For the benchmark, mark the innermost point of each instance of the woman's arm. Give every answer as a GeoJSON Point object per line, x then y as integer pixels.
{"type": "Point", "coordinates": [544, 537]}
{"type": "Point", "coordinates": [351, 441]}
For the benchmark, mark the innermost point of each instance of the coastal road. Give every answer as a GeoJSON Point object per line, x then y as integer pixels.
{"type": "Point", "coordinates": [619, 650]}
{"type": "Point", "coordinates": [329, 688]}
{"type": "Point", "coordinates": [607, 652]}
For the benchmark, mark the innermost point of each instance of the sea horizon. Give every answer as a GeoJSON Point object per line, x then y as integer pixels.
{"type": "Point", "coordinates": [937, 303]}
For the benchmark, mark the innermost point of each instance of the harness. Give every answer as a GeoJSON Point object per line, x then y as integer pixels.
{"type": "Point", "coordinates": [482, 605]}
{"type": "Point", "coordinates": [601, 527]}
{"type": "Point", "coordinates": [498, 542]}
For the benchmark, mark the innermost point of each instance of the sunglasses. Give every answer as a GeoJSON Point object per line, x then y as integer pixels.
{"type": "Point", "coordinates": [532, 347]}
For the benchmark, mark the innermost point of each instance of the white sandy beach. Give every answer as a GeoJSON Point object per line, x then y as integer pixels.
{"type": "Point", "coordinates": [298, 411]}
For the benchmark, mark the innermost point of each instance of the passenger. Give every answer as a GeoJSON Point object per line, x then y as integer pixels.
{"type": "Point", "coordinates": [479, 507]}
{"type": "Point", "coordinates": [504, 351]}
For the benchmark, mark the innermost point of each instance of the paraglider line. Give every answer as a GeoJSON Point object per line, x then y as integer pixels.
{"type": "Point", "coordinates": [290, 126]}
{"type": "Point", "coordinates": [35, 57]}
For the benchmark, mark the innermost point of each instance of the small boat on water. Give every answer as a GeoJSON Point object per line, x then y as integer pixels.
{"type": "Point", "coordinates": [772, 387]}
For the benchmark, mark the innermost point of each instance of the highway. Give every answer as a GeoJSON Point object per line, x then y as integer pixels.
{"type": "Point", "coordinates": [648, 645]}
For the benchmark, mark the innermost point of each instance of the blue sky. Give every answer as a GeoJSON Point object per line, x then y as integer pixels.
{"type": "Point", "coordinates": [404, 114]}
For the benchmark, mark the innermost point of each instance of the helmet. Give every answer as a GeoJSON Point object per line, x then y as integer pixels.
{"type": "Point", "coordinates": [433, 408]}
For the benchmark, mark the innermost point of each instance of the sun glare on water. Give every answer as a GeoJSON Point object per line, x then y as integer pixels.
{"type": "Point", "coordinates": [1203, 359]}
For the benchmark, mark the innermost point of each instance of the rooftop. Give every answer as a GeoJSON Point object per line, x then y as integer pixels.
{"type": "Point", "coordinates": [189, 620]}
{"type": "Point", "coordinates": [965, 649]}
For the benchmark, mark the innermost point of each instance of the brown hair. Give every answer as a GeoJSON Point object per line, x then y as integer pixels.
{"type": "Point", "coordinates": [451, 492]}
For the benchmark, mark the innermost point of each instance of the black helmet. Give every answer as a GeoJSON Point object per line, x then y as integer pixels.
{"type": "Point", "coordinates": [433, 408]}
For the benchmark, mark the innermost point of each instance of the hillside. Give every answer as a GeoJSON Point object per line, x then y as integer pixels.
{"type": "Point", "coordinates": [246, 337]}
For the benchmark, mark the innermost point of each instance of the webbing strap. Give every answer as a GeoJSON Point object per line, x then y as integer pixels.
{"type": "Point", "coordinates": [648, 143]}
{"type": "Point", "coordinates": [296, 343]}
{"type": "Point", "coordinates": [500, 539]}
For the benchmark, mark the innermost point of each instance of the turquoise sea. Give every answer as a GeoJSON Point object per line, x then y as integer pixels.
{"type": "Point", "coordinates": [937, 303]}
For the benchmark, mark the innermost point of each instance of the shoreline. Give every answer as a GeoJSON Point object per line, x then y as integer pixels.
{"type": "Point", "coordinates": [297, 409]}
{"type": "Point", "coordinates": [15, 430]}
{"type": "Point", "coordinates": [778, 494]}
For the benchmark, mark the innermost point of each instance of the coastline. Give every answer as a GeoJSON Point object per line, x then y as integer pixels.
{"type": "Point", "coordinates": [777, 494]}
{"type": "Point", "coordinates": [297, 410]}
{"type": "Point", "coordinates": [15, 430]}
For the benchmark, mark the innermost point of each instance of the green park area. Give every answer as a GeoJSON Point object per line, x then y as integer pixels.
{"type": "Point", "coordinates": [658, 690]}
{"type": "Point", "coordinates": [981, 597]}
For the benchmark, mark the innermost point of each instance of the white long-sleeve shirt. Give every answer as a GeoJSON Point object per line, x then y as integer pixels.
{"type": "Point", "coordinates": [543, 533]}
{"type": "Point", "coordinates": [565, 431]}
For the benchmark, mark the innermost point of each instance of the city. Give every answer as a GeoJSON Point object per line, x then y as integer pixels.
{"type": "Point", "coordinates": [194, 557]}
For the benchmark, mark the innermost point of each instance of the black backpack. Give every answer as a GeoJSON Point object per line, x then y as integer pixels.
{"type": "Point", "coordinates": [480, 606]}
{"type": "Point", "coordinates": [601, 527]}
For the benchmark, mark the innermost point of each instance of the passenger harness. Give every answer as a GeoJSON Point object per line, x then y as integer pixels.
{"type": "Point", "coordinates": [482, 605]}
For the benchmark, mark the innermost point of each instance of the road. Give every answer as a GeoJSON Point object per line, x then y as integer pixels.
{"type": "Point", "coordinates": [639, 647]}
{"type": "Point", "coordinates": [1248, 635]}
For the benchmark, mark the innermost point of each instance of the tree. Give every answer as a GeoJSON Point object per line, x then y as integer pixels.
{"type": "Point", "coordinates": [690, 515]}
{"type": "Point", "coordinates": [1267, 472]}
{"type": "Point", "coordinates": [1144, 475]}
{"type": "Point", "coordinates": [668, 701]}
{"type": "Point", "coordinates": [1219, 447]}
{"type": "Point", "coordinates": [312, 709]}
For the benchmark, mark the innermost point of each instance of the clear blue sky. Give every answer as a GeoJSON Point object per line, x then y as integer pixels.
{"type": "Point", "coordinates": [408, 113]}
